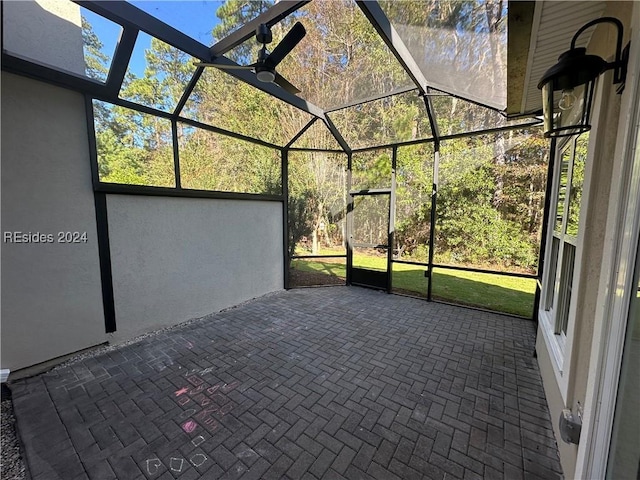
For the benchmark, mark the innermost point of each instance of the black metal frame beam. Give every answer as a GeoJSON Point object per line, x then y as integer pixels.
{"type": "Point", "coordinates": [300, 133]}
{"type": "Point", "coordinates": [545, 226]}
{"type": "Point", "coordinates": [391, 220]}
{"type": "Point", "coordinates": [131, 17]}
{"type": "Point", "coordinates": [151, 191]}
{"type": "Point", "coordinates": [432, 218]}
{"type": "Point", "coordinates": [25, 67]}
{"type": "Point", "coordinates": [270, 17]}
{"type": "Point", "coordinates": [372, 98]}
{"type": "Point", "coordinates": [285, 216]}
{"type": "Point", "coordinates": [450, 137]}
{"type": "Point", "coordinates": [299, 149]}
{"type": "Point", "coordinates": [270, 88]}
{"type": "Point", "coordinates": [121, 59]}
{"type": "Point", "coordinates": [336, 134]}
{"type": "Point", "coordinates": [102, 226]}
{"type": "Point", "coordinates": [128, 16]}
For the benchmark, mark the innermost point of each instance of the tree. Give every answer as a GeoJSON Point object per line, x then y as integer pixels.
{"type": "Point", "coordinates": [96, 61]}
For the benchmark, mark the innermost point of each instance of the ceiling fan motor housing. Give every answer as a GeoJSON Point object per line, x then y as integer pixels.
{"type": "Point", "coordinates": [263, 34]}
{"type": "Point", "coordinates": [265, 74]}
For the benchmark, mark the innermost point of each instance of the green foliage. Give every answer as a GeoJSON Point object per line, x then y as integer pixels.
{"type": "Point", "coordinates": [232, 14]}
{"type": "Point", "coordinates": [490, 187]}
{"type": "Point", "coordinates": [96, 62]}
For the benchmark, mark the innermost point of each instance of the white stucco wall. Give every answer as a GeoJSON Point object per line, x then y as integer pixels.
{"type": "Point", "coordinates": [47, 31]}
{"type": "Point", "coordinates": [51, 292]}
{"type": "Point", "coordinates": [175, 259]}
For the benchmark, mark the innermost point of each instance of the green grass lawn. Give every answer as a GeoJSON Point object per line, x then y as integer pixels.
{"type": "Point", "coordinates": [493, 292]}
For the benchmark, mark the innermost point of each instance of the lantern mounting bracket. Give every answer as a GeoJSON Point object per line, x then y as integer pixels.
{"type": "Point", "coordinates": [619, 64]}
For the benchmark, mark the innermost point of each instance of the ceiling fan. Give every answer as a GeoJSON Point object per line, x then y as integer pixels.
{"type": "Point", "coordinates": [265, 67]}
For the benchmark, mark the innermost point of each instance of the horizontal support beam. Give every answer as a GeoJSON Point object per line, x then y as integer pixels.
{"type": "Point", "coordinates": [371, 191]}
{"type": "Point", "coordinates": [302, 257]}
{"type": "Point", "coordinates": [121, 189]}
{"type": "Point", "coordinates": [490, 272]}
{"type": "Point", "coordinates": [535, 123]}
{"type": "Point", "coordinates": [26, 67]}
{"type": "Point", "coordinates": [228, 133]}
{"type": "Point", "coordinates": [328, 150]}
{"type": "Point", "coordinates": [372, 98]}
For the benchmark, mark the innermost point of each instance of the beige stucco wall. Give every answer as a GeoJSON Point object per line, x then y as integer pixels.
{"type": "Point", "coordinates": [47, 31]}
{"type": "Point", "coordinates": [174, 259]}
{"type": "Point", "coordinates": [568, 452]}
{"type": "Point", "coordinates": [51, 292]}
{"type": "Point", "coordinates": [596, 250]}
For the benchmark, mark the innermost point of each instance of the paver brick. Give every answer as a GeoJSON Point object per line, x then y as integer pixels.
{"type": "Point", "coordinates": [313, 383]}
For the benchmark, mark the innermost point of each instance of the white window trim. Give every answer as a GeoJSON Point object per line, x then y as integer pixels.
{"type": "Point", "coordinates": [560, 347]}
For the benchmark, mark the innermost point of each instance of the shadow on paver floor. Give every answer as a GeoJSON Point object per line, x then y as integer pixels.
{"type": "Point", "coordinates": [313, 383]}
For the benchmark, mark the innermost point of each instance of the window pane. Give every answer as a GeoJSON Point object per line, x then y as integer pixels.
{"type": "Point", "coordinates": [461, 47]}
{"type": "Point", "coordinates": [499, 293]}
{"type": "Point", "coordinates": [553, 266]}
{"type": "Point", "coordinates": [369, 258]}
{"type": "Point", "coordinates": [210, 161]}
{"type": "Point", "coordinates": [199, 19]}
{"type": "Point", "coordinates": [414, 184]}
{"type": "Point", "coordinates": [157, 74]}
{"type": "Point", "coordinates": [455, 115]}
{"type": "Point", "coordinates": [577, 179]}
{"type": "Point", "coordinates": [371, 223]}
{"type": "Point", "coordinates": [409, 279]}
{"type": "Point", "coordinates": [133, 148]}
{"type": "Point", "coordinates": [624, 458]}
{"type": "Point", "coordinates": [371, 170]}
{"type": "Point", "coordinates": [393, 119]}
{"type": "Point", "coordinates": [341, 59]}
{"type": "Point", "coordinates": [317, 203]}
{"type": "Point", "coordinates": [305, 272]}
{"type": "Point", "coordinates": [562, 189]}
{"type": "Point", "coordinates": [254, 113]}
{"type": "Point", "coordinates": [490, 200]}
{"type": "Point", "coordinates": [566, 281]}
{"type": "Point", "coordinates": [100, 38]}
{"type": "Point", "coordinates": [318, 137]}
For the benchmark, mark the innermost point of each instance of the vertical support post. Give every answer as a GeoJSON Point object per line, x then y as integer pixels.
{"type": "Point", "coordinates": [176, 153]}
{"type": "Point", "coordinates": [104, 253]}
{"type": "Point", "coordinates": [349, 220]}
{"type": "Point", "coordinates": [545, 223]}
{"type": "Point", "coordinates": [102, 225]}
{"type": "Point", "coordinates": [285, 215]}
{"type": "Point", "coordinates": [392, 217]}
{"type": "Point", "coordinates": [432, 220]}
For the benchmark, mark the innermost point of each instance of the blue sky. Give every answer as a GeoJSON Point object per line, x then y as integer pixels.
{"type": "Point", "coordinates": [195, 18]}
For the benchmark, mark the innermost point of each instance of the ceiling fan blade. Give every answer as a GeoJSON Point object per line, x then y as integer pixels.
{"type": "Point", "coordinates": [288, 43]}
{"type": "Point", "coordinates": [225, 66]}
{"type": "Point", "coordinates": [284, 83]}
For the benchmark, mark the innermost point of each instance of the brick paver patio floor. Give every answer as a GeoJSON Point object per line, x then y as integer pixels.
{"type": "Point", "coordinates": [323, 383]}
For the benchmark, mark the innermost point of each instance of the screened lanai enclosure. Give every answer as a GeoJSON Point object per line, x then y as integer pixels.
{"type": "Point", "coordinates": [388, 144]}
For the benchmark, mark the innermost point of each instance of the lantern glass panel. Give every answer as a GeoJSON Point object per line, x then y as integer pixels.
{"type": "Point", "coordinates": [573, 119]}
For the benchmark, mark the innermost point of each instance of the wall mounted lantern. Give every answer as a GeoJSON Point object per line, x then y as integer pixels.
{"type": "Point", "coordinates": [567, 87]}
